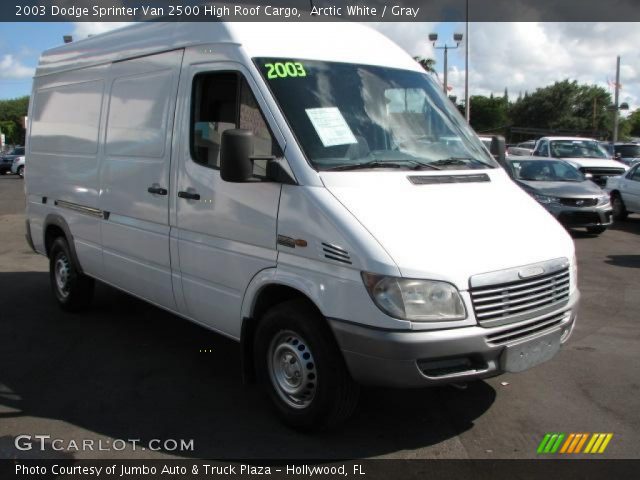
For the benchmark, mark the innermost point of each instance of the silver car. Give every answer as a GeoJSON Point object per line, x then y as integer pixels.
{"type": "Point", "coordinates": [568, 194]}
{"type": "Point", "coordinates": [7, 161]}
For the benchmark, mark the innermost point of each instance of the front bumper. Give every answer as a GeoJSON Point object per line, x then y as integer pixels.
{"type": "Point", "coordinates": [423, 358]}
{"type": "Point", "coordinates": [576, 217]}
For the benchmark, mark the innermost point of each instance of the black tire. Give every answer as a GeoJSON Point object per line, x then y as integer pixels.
{"type": "Point", "coordinates": [327, 394]}
{"type": "Point", "coordinates": [21, 171]}
{"type": "Point", "coordinates": [596, 230]}
{"type": "Point", "coordinates": [72, 289]}
{"type": "Point", "coordinates": [619, 209]}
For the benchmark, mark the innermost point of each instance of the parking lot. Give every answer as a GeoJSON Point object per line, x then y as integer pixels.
{"type": "Point", "coordinates": [127, 370]}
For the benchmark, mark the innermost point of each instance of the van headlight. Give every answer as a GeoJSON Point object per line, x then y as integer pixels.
{"type": "Point", "coordinates": [416, 300]}
{"type": "Point", "coordinates": [603, 200]}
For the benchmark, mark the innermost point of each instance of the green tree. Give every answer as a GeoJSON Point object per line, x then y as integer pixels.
{"type": "Point", "coordinates": [10, 130]}
{"type": "Point", "coordinates": [12, 113]}
{"type": "Point", "coordinates": [564, 105]}
{"type": "Point", "coordinates": [488, 113]}
{"type": "Point", "coordinates": [429, 64]}
{"type": "Point", "coordinates": [634, 123]}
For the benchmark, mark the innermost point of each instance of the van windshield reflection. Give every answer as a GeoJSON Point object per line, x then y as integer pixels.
{"type": "Point", "coordinates": [354, 117]}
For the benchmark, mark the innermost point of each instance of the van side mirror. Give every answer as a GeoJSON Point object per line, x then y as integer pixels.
{"type": "Point", "coordinates": [236, 149]}
{"type": "Point", "coordinates": [499, 150]}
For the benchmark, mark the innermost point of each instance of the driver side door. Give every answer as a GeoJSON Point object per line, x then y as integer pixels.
{"type": "Point", "coordinates": [226, 232]}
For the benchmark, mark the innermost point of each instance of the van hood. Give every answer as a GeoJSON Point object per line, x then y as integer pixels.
{"type": "Point", "coordinates": [451, 231]}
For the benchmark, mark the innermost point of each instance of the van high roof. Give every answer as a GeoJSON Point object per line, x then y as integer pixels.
{"type": "Point", "coordinates": [335, 41]}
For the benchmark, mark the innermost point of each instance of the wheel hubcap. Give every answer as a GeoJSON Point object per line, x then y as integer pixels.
{"type": "Point", "coordinates": [292, 369]}
{"type": "Point", "coordinates": [62, 270]}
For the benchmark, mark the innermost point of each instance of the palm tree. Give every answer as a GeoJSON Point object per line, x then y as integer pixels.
{"type": "Point", "coordinates": [429, 64]}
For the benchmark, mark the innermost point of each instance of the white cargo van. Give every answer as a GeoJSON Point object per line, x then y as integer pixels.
{"type": "Point", "coordinates": [304, 189]}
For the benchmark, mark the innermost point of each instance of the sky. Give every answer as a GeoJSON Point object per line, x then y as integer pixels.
{"type": "Point", "coordinates": [518, 56]}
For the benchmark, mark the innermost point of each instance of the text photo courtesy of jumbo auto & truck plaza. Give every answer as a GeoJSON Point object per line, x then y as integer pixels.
{"type": "Point", "coordinates": [262, 238]}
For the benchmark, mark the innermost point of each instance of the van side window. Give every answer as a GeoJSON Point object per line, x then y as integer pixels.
{"type": "Point", "coordinates": [221, 101]}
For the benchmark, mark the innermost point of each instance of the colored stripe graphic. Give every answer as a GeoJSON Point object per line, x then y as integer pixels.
{"type": "Point", "coordinates": [567, 443]}
{"type": "Point", "coordinates": [550, 443]}
{"type": "Point", "coordinates": [573, 443]}
{"type": "Point", "coordinates": [598, 443]}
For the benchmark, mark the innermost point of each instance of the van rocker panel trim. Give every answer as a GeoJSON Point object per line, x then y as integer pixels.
{"type": "Point", "coordinates": [95, 212]}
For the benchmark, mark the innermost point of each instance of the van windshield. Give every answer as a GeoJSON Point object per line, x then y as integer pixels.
{"type": "Point", "coordinates": [348, 116]}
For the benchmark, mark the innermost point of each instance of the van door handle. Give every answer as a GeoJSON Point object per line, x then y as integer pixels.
{"type": "Point", "coordinates": [157, 190]}
{"type": "Point", "coordinates": [189, 195]}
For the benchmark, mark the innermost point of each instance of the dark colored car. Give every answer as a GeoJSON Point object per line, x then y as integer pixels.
{"type": "Point", "coordinates": [564, 191]}
{"type": "Point", "coordinates": [7, 160]}
{"type": "Point", "coordinates": [627, 153]}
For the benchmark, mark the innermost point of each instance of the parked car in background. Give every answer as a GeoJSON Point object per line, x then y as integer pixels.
{"type": "Point", "coordinates": [586, 154]}
{"type": "Point", "coordinates": [486, 140]}
{"type": "Point", "coordinates": [625, 193]}
{"type": "Point", "coordinates": [564, 191]}
{"type": "Point", "coordinates": [6, 161]}
{"type": "Point", "coordinates": [17, 166]}
{"type": "Point", "coordinates": [522, 149]}
{"type": "Point", "coordinates": [627, 153]}
{"type": "Point", "coordinates": [608, 147]}
{"type": "Point", "coordinates": [5, 165]}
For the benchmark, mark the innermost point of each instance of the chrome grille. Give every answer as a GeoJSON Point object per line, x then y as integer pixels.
{"type": "Point", "coordinates": [601, 174]}
{"type": "Point", "coordinates": [579, 202]}
{"type": "Point", "coordinates": [517, 300]}
{"type": "Point", "coordinates": [534, 327]}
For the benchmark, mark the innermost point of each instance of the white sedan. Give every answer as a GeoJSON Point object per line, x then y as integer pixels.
{"type": "Point", "coordinates": [17, 167]}
{"type": "Point", "coordinates": [625, 193]}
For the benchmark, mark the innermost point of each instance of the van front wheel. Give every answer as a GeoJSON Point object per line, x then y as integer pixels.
{"type": "Point", "coordinates": [72, 289]}
{"type": "Point", "coordinates": [299, 364]}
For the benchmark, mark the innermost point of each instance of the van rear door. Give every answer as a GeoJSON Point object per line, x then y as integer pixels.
{"type": "Point", "coordinates": [134, 175]}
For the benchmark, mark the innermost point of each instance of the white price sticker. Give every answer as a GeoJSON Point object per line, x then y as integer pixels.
{"type": "Point", "coordinates": [331, 126]}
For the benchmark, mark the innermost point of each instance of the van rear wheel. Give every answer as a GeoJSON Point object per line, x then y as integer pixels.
{"type": "Point", "coordinates": [300, 366]}
{"type": "Point", "coordinates": [72, 290]}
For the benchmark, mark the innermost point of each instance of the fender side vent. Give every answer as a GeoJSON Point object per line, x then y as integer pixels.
{"type": "Point", "coordinates": [438, 179]}
{"type": "Point", "coordinates": [336, 253]}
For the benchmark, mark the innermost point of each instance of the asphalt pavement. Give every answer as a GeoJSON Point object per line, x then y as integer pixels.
{"type": "Point", "coordinates": [128, 371]}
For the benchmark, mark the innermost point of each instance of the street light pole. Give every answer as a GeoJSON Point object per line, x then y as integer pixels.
{"type": "Point", "coordinates": [616, 111]}
{"type": "Point", "coordinates": [457, 37]}
{"type": "Point", "coordinates": [467, 104]}
{"type": "Point", "coordinates": [446, 70]}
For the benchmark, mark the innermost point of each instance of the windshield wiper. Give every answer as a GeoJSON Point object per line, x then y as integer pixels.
{"type": "Point", "coordinates": [454, 161]}
{"type": "Point", "coordinates": [411, 164]}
